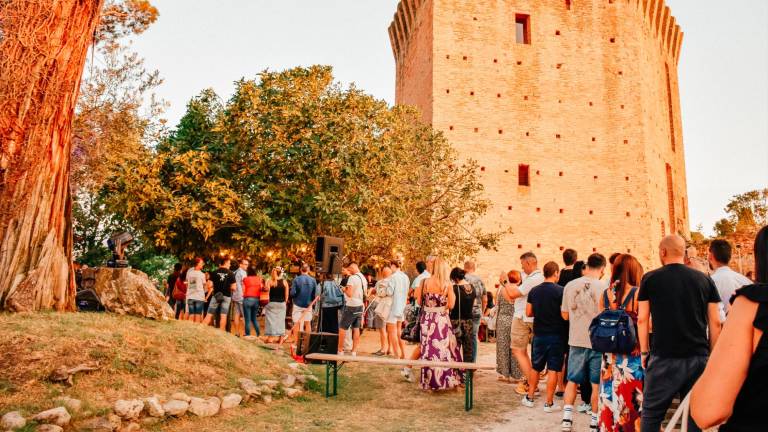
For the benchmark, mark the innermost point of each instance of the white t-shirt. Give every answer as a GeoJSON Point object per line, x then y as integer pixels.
{"type": "Point", "coordinates": [400, 282]}
{"type": "Point", "coordinates": [531, 281]}
{"type": "Point", "coordinates": [417, 280]}
{"type": "Point", "coordinates": [581, 299]}
{"type": "Point", "coordinates": [195, 285]}
{"type": "Point", "coordinates": [359, 285]}
{"type": "Point", "coordinates": [727, 282]}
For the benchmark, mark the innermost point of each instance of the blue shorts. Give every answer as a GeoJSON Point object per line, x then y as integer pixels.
{"type": "Point", "coordinates": [584, 363]}
{"type": "Point", "coordinates": [195, 307]}
{"type": "Point", "coordinates": [548, 352]}
{"type": "Point", "coordinates": [214, 305]}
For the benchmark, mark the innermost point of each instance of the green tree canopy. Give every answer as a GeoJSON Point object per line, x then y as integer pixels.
{"type": "Point", "coordinates": [746, 212]}
{"type": "Point", "coordinates": [293, 155]}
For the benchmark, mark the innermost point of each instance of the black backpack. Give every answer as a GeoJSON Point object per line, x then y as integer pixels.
{"type": "Point", "coordinates": [88, 301]}
{"type": "Point", "coordinates": [614, 331]}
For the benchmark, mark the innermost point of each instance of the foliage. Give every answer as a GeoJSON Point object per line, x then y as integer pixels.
{"type": "Point", "coordinates": [746, 212]}
{"type": "Point", "coordinates": [293, 155]}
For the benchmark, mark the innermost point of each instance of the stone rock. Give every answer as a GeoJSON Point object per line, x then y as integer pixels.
{"type": "Point", "coordinates": [12, 420]}
{"type": "Point", "coordinates": [181, 397]}
{"type": "Point", "coordinates": [175, 407]}
{"type": "Point", "coordinates": [100, 424]}
{"type": "Point", "coordinates": [205, 407]}
{"type": "Point", "coordinates": [292, 392]}
{"type": "Point", "coordinates": [266, 399]}
{"type": "Point", "coordinates": [57, 416]}
{"type": "Point", "coordinates": [154, 407]}
{"type": "Point", "coordinates": [231, 401]}
{"type": "Point", "coordinates": [294, 366]}
{"type": "Point", "coordinates": [249, 387]}
{"type": "Point", "coordinates": [150, 421]}
{"type": "Point", "coordinates": [131, 427]}
{"type": "Point", "coordinates": [129, 292]}
{"type": "Point", "coordinates": [129, 409]}
{"type": "Point", "coordinates": [49, 428]}
{"type": "Point", "coordinates": [288, 380]}
{"type": "Point", "coordinates": [266, 390]}
{"type": "Point", "coordinates": [72, 405]}
{"type": "Point", "coordinates": [270, 383]}
{"type": "Point", "coordinates": [115, 420]}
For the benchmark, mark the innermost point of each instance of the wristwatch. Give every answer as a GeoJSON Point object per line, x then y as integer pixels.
{"type": "Point", "coordinates": [644, 353]}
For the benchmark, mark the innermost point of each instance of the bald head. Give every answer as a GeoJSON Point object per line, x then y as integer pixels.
{"type": "Point", "coordinates": [672, 250]}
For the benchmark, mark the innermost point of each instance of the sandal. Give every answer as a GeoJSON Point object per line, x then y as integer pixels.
{"type": "Point", "coordinates": [378, 353]}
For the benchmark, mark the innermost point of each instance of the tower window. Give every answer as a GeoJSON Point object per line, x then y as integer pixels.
{"type": "Point", "coordinates": [523, 29]}
{"type": "Point", "coordinates": [568, 4]}
{"type": "Point", "coordinates": [524, 175]}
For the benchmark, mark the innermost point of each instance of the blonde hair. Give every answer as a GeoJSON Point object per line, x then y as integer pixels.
{"type": "Point", "coordinates": [441, 273]}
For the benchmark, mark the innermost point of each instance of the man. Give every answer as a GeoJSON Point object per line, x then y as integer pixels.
{"type": "Point", "coordinates": [303, 291]}
{"type": "Point", "coordinates": [522, 325]}
{"type": "Point", "coordinates": [549, 336]}
{"type": "Point", "coordinates": [423, 273]}
{"type": "Point", "coordinates": [196, 291]}
{"type": "Point", "coordinates": [169, 283]}
{"type": "Point", "coordinates": [481, 301]}
{"type": "Point", "coordinates": [581, 304]}
{"type": "Point", "coordinates": [400, 284]}
{"type": "Point", "coordinates": [683, 303]}
{"type": "Point", "coordinates": [223, 286]}
{"type": "Point", "coordinates": [726, 280]}
{"type": "Point", "coordinates": [567, 274]}
{"type": "Point", "coordinates": [352, 314]}
{"type": "Point", "coordinates": [241, 273]}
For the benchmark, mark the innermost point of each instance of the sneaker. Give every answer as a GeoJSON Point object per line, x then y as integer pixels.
{"type": "Point", "coordinates": [406, 373]}
{"type": "Point", "coordinates": [527, 402]}
{"type": "Point", "coordinates": [550, 408]}
{"type": "Point", "coordinates": [559, 395]}
{"type": "Point", "coordinates": [584, 408]}
{"type": "Point", "coordinates": [567, 425]}
{"type": "Point", "coordinates": [522, 388]}
{"type": "Point", "coordinates": [593, 428]}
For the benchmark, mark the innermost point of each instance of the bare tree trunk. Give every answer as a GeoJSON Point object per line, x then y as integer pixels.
{"type": "Point", "coordinates": [43, 46]}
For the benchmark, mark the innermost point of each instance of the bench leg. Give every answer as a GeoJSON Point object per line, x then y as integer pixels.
{"type": "Point", "coordinates": [469, 391]}
{"type": "Point", "coordinates": [331, 366]}
{"type": "Point", "coordinates": [335, 377]}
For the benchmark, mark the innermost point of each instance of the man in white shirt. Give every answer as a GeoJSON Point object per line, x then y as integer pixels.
{"type": "Point", "coordinates": [522, 325]}
{"type": "Point", "coordinates": [726, 280]}
{"type": "Point", "coordinates": [400, 283]}
{"type": "Point", "coordinates": [352, 314]}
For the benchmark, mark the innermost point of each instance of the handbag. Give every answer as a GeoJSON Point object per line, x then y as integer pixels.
{"type": "Point", "coordinates": [613, 331]}
{"type": "Point", "coordinates": [412, 330]}
{"type": "Point", "coordinates": [383, 308]}
{"type": "Point", "coordinates": [680, 415]}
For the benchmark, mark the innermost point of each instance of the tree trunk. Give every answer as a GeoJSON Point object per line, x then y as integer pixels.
{"type": "Point", "coordinates": [43, 46]}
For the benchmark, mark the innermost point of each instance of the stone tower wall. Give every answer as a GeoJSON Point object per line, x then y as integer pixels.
{"type": "Point", "coordinates": [590, 104]}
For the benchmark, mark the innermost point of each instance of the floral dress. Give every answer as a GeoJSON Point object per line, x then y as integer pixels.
{"type": "Point", "coordinates": [506, 365]}
{"type": "Point", "coordinates": [621, 388]}
{"type": "Point", "coordinates": [438, 344]}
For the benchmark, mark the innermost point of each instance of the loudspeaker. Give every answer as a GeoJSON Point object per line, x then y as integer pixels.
{"type": "Point", "coordinates": [329, 252]}
{"type": "Point", "coordinates": [323, 343]}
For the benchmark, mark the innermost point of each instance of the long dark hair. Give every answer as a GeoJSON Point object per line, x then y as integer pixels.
{"type": "Point", "coordinates": [627, 271]}
{"type": "Point", "coordinates": [761, 256]}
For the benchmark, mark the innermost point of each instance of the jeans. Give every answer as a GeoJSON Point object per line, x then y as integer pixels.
{"type": "Point", "coordinates": [251, 314]}
{"type": "Point", "coordinates": [666, 378]}
{"type": "Point", "coordinates": [475, 330]}
{"type": "Point", "coordinates": [180, 306]}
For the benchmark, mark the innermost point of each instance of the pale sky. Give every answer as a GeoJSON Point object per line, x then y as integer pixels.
{"type": "Point", "coordinates": [723, 70]}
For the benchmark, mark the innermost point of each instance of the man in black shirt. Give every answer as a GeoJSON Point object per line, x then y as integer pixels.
{"type": "Point", "coordinates": [223, 285]}
{"type": "Point", "coordinates": [550, 334]}
{"type": "Point", "coordinates": [683, 304]}
{"type": "Point", "coordinates": [567, 273]}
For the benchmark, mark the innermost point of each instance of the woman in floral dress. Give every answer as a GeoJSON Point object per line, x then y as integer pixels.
{"type": "Point", "coordinates": [506, 365]}
{"type": "Point", "coordinates": [438, 343]}
{"type": "Point", "coordinates": [621, 375]}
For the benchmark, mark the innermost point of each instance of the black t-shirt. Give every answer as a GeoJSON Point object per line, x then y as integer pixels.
{"type": "Point", "coordinates": [171, 283]}
{"type": "Point", "coordinates": [222, 281]}
{"type": "Point", "coordinates": [464, 300]}
{"type": "Point", "coordinates": [546, 300]}
{"type": "Point", "coordinates": [566, 275]}
{"type": "Point", "coordinates": [679, 297]}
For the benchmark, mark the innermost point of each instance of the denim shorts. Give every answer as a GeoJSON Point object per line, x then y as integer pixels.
{"type": "Point", "coordinates": [225, 301]}
{"type": "Point", "coordinates": [351, 317]}
{"type": "Point", "coordinates": [195, 307]}
{"type": "Point", "coordinates": [237, 308]}
{"type": "Point", "coordinates": [548, 352]}
{"type": "Point", "coordinates": [584, 363]}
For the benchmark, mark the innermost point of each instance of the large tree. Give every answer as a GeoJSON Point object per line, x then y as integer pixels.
{"type": "Point", "coordinates": [43, 46]}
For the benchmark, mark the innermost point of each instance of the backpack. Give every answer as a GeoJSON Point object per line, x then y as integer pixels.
{"type": "Point", "coordinates": [614, 331]}
{"type": "Point", "coordinates": [332, 295]}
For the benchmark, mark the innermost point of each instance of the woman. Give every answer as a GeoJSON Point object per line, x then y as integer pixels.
{"type": "Point", "coordinates": [461, 314]}
{"type": "Point", "coordinates": [506, 365]}
{"type": "Point", "coordinates": [276, 308]}
{"type": "Point", "coordinates": [621, 375]}
{"type": "Point", "coordinates": [180, 294]}
{"type": "Point", "coordinates": [734, 385]}
{"type": "Point", "coordinates": [383, 296]}
{"type": "Point", "coordinates": [332, 301]}
{"type": "Point", "coordinates": [252, 287]}
{"type": "Point", "coordinates": [435, 295]}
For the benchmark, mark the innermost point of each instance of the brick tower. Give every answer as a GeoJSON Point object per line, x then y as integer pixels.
{"type": "Point", "coordinates": [571, 108]}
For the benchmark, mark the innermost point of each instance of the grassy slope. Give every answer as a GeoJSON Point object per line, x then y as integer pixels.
{"type": "Point", "coordinates": [142, 357]}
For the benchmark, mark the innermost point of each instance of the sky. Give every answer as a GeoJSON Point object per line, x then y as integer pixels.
{"type": "Point", "coordinates": [723, 70]}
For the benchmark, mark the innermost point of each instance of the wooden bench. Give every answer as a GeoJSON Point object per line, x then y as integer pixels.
{"type": "Point", "coordinates": [334, 362]}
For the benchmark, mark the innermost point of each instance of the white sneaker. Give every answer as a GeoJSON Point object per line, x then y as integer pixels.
{"type": "Point", "coordinates": [527, 402]}
{"type": "Point", "coordinates": [584, 408]}
{"type": "Point", "coordinates": [567, 425]}
{"type": "Point", "coordinates": [551, 408]}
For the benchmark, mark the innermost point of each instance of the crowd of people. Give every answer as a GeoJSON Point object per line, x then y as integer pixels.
{"type": "Point", "coordinates": [684, 330]}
